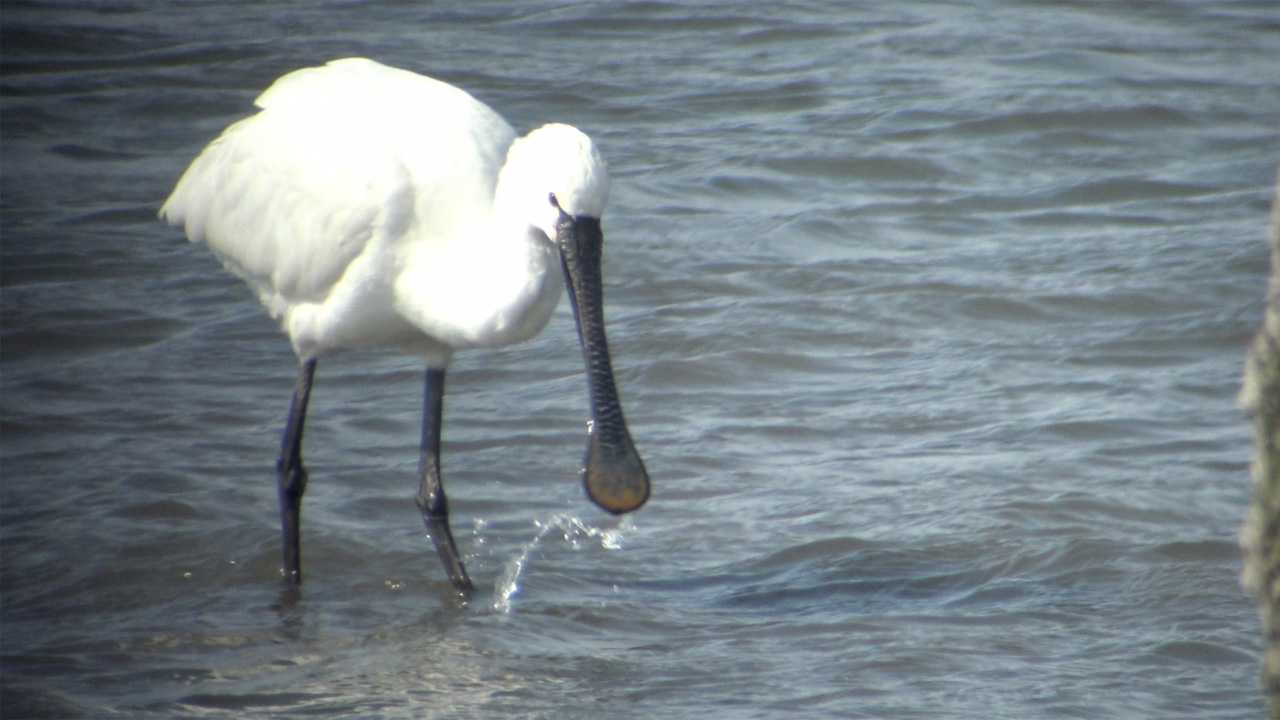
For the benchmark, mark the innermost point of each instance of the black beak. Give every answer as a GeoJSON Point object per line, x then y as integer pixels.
{"type": "Point", "coordinates": [613, 474]}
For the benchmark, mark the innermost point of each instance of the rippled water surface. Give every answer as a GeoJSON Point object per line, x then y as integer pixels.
{"type": "Point", "coordinates": [928, 319]}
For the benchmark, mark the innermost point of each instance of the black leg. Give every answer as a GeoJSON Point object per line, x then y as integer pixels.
{"type": "Point", "coordinates": [431, 499]}
{"type": "Point", "coordinates": [291, 477]}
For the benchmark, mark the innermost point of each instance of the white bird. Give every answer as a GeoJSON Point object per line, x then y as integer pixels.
{"type": "Point", "coordinates": [371, 206]}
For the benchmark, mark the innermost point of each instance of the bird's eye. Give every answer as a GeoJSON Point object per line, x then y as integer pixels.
{"type": "Point", "coordinates": [554, 202]}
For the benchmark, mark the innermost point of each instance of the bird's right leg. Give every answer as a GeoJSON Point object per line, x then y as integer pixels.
{"type": "Point", "coordinates": [291, 477]}
{"type": "Point", "coordinates": [431, 500]}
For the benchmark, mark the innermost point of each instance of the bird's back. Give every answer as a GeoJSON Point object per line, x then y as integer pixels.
{"type": "Point", "coordinates": [343, 165]}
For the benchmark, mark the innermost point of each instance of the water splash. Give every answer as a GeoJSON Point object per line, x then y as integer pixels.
{"type": "Point", "coordinates": [574, 532]}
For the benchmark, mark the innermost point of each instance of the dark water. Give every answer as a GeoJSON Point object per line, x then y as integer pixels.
{"type": "Point", "coordinates": [929, 321]}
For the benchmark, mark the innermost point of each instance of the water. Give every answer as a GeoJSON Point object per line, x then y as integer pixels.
{"type": "Point", "coordinates": [928, 319]}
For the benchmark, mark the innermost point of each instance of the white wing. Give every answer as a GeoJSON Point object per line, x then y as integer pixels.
{"type": "Point", "coordinates": [344, 161]}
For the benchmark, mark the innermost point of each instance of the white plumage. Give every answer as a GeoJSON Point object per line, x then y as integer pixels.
{"type": "Point", "coordinates": [372, 206]}
{"type": "Point", "coordinates": [368, 205]}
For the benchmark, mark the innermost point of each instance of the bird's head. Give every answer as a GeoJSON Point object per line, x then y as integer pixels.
{"type": "Point", "coordinates": [556, 170]}
{"type": "Point", "coordinates": [561, 184]}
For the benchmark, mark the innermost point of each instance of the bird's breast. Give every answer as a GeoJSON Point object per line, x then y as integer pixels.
{"type": "Point", "coordinates": [481, 294]}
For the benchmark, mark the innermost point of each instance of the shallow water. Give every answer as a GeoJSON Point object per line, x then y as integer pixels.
{"type": "Point", "coordinates": [928, 319]}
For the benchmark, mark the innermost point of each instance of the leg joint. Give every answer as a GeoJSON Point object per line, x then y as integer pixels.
{"type": "Point", "coordinates": [292, 477]}
{"type": "Point", "coordinates": [432, 502]}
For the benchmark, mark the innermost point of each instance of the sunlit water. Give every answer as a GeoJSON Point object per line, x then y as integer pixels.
{"type": "Point", "coordinates": [928, 320]}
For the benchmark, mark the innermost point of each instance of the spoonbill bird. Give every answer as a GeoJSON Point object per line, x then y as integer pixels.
{"type": "Point", "coordinates": [369, 206]}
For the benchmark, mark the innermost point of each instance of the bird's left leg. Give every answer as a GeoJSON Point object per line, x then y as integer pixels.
{"type": "Point", "coordinates": [291, 477]}
{"type": "Point", "coordinates": [431, 500]}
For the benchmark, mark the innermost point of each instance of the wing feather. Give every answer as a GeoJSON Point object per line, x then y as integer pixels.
{"type": "Point", "coordinates": [340, 161]}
